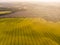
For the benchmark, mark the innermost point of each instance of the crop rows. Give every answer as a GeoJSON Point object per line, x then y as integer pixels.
{"type": "Point", "coordinates": [25, 35]}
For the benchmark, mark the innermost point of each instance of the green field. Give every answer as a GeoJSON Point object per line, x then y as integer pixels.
{"type": "Point", "coordinates": [29, 31]}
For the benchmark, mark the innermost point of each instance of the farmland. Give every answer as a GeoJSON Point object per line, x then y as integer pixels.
{"type": "Point", "coordinates": [30, 23]}
{"type": "Point", "coordinates": [28, 31]}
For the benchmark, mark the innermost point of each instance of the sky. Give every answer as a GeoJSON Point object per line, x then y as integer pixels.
{"type": "Point", "coordinates": [29, 0]}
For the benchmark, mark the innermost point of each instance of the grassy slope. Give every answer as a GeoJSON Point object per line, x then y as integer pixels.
{"type": "Point", "coordinates": [31, 27]}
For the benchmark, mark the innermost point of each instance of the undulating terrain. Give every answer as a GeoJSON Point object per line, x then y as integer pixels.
{"type": "Point", "coordinates": [30, 24]}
